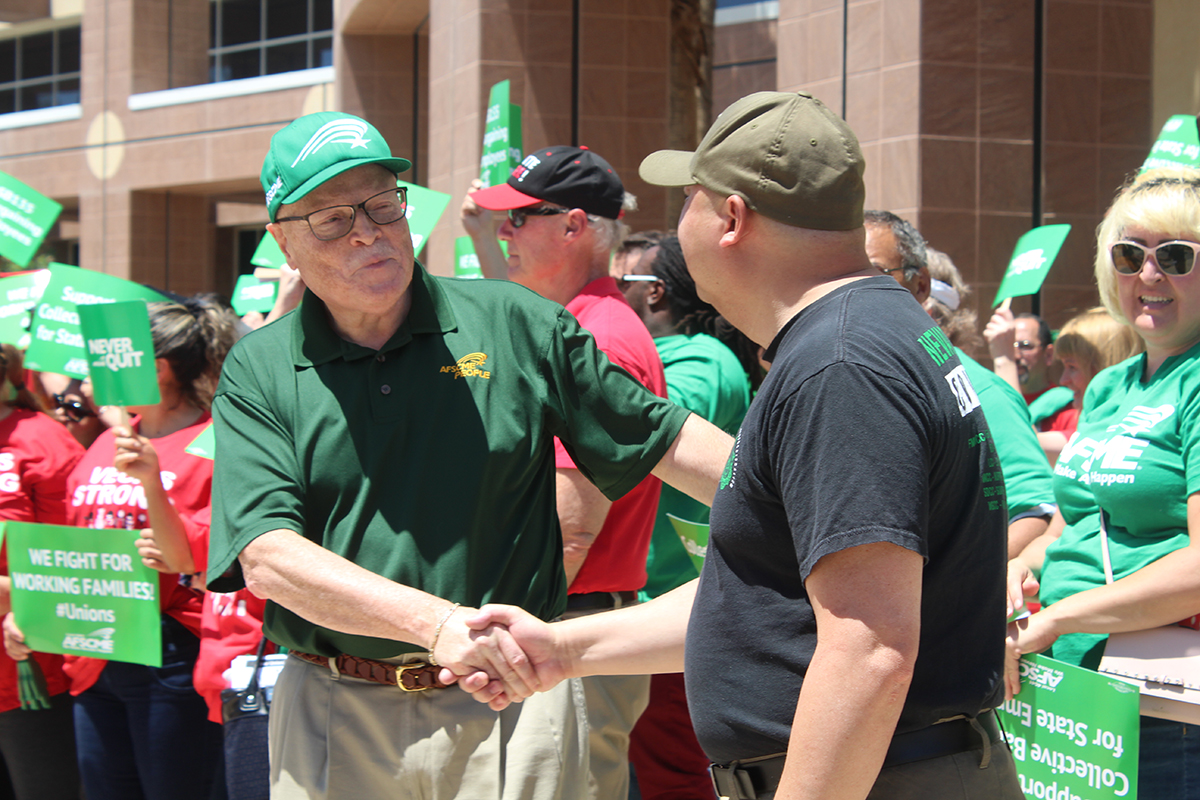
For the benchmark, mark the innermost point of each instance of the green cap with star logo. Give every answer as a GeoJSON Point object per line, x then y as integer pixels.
{"type": "Point", "coordinates": [317, 147]}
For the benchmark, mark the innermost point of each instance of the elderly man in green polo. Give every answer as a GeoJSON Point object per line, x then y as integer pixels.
{"type": "Point", "coordinates": [386, 462]}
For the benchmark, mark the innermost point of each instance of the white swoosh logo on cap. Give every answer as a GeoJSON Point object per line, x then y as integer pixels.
{"type": "Point", "coordinates": [340, 130]}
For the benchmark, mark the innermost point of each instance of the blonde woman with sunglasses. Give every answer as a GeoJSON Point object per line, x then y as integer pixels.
{"type": "Point", "coordinates": [1130, 476]}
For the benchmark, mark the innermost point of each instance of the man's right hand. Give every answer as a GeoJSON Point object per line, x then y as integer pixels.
{"type": "Point", "coordinates": [540, 654]}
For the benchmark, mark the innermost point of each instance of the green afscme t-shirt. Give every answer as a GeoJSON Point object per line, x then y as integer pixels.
{"type": "Point", "coordinates": [706, 378]}
{"type": "Point", "coordinates": [1136, 456]}
{"type": "Point", "coordinates": [431, 461]}
{"type": "Point", "coordinates": [1028, 482]}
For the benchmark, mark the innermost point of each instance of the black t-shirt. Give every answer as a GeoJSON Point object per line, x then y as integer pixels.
{"type": "Point", "coordinates": [865, 430]}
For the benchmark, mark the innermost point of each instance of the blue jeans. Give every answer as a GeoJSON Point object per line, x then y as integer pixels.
{"type": "Point", "coordinates": [143, 732]}
{"type": "Point", "coordinates": [1169, 760]}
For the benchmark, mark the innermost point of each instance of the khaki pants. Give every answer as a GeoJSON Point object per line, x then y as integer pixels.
{"type": "Point", "coordinates": [614, 703]}
{"type": "Point", "coordinates": [336, 738]}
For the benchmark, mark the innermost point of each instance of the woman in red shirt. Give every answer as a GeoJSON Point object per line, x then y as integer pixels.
{"type": "Point", "coordinates": [143, 732]}
{"type": "Point", "coordinates": [36, 456]}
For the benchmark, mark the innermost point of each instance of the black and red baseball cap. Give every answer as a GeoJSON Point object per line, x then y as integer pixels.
{"type": "Point", "coordinates": [572, 177]}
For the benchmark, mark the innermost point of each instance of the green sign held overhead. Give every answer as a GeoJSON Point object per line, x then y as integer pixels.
{"type": "Point", "coordinates": [1074, 733]}
{"type": "Point", "coordinates": [204, 445]}
{"type": "Point", "coordinates": [251, 294]}
{"type": "Point", "coordinates": [501, 137]}
{"type": "Point", "coordinates": [1178, 145]}
{"type": "Point", "coordinates": [120, 353]}
{"type": "Point", "coordinates": [57, 343]}
{"type": "Point", "coordinates": [268, 254]}
{"type": "Point", "coordinates": [466, 263]}
{"type": "Point", "coordinates": [1031, 261]}
{"type": "Point", "coordinates": [425, 208]}
{"type": "Point", "coordinates": [84, 592]}
{"type": "Point", "coordinates": [18, 295]}
{"type": "Point", "coordinates": [25, 218]}
{"type": "Point", "coordinates": [694, 536]}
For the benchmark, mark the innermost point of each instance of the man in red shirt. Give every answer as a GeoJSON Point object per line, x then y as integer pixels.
{"type": "Point", "coordinates": [563, 207]}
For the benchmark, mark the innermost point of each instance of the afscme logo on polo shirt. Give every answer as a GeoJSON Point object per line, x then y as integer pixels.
{"type": "Point", "coordinates": [345, 131]}
{"type": "Point", "coordinates": [469, 366]}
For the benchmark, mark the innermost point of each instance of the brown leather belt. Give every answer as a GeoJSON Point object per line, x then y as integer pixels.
{"type": "Point", "coordinates": [415, 676]}
{"type": "Point", "coordinates": [600, 601]}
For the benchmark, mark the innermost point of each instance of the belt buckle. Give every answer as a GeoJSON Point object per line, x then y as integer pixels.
{"type": "Point", "coordinates": [403, 668]}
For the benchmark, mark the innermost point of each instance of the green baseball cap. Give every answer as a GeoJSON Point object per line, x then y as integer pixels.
{"type": "Point", "coordinates": [787, 155]}
{"type": "Point", "coordinates": [317, 147]}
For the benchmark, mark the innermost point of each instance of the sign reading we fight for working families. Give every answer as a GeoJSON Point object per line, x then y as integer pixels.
{"type": "Point", "coordinates": [25, 219]}
{"type": "Point", "coordinates": [120, 353]}
{"type": "Point", "coordinates": [18, 295]}
{"type": "Point", "coordinates": [1178, 145]}
{"type": "Point", "coordinates": [84, 592]}
{"type": "Point", "coordinates": [251, 294]}
{"type": "Point", "coordinates": [1031, 261]}
{"type": "Point", "coordinates": [1074, 733]}
{"type": "Point", "coordinates": [501, 137]}
{"type": "Point", "coordinates": [57, 343]}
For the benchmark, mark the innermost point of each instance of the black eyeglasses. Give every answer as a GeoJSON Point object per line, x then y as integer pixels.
{"type": "Point", "coordinates": [1173, 258]}
{"type": "Point", "coordinates": [1025, 345]}
{"type": "Point", "coordinates": [336, 221]}
{"type": "Point", "coordinates": [75, 410]}
{"type": "Point", "coordinates": [518, 215]}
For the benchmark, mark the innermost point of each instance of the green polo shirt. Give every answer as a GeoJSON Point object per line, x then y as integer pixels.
{"type": "Point", "coordinates": [430, 461]}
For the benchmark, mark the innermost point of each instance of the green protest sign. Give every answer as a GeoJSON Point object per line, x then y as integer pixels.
{"type": "Point", "coordinates": [1074, 733]}
{"type": "Point", "coordinates": [84, 592]}
{"type": "Point", "coordinates": [204, 445]}
{"type": "Point", "coordinates": [18, 295]}
{"type": "Point", "coordinates": [466, 263]}
{"type": "Point", "coordinates": [1178, 144]}
{"type": "Point", "coordinates": [251, 294]}
{"type": "Point", "coordinates": [120, 353]}
{"type": "Point", "coordinates": [57, 343]}
{"type": "Point", "coordinates": [1031, 261]}
{"type": "Point", "coordinates": [501, 137]}
{"type": "Point", "coordinates": [268, 254]}
{"type": "Point", "coordinates": [425, 207]}
{"type": "Point", "coordinates": [694, 536]}
{"type": "Point", "coordinates": [25, 219]}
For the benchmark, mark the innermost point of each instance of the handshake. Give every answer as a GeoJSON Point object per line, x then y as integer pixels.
{"type": "Point", "coordinates": [500, 654]}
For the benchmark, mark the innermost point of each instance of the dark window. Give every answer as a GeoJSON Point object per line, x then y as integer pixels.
{"type": "Point", "coordinates": [39, 71]}
{"type": "Point", "coordinates": [265, 37]}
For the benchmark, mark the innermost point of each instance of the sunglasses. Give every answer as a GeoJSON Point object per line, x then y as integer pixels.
{"type": "Point", "coordinates": [1173, 258]}
{"type": "Point", "coordinates": [518, 215]}
{"type": "Point", "coordinates": [74, 410]}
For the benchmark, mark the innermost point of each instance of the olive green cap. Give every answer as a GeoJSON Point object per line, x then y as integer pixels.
{"type": "Point", "coordinates": [787, 155]}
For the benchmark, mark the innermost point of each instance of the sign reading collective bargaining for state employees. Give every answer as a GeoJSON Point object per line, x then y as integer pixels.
{"type": "Point", "coordinates": [84, 592]}
{"type": "Point", "coordinates": [25, 219]}
{"type": "Point", "coordinates": [57, 342]}
{"type": "Point", "coordinates": [1073, 732]}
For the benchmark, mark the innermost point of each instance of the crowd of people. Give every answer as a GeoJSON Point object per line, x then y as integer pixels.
{"type": "Point", "coordinates": [423, 481]}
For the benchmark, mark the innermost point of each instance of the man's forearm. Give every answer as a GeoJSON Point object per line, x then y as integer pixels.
{"type": "Point", "coordinates": [639, 640]}
{"type": "Point", "coordinates": [330, 591]}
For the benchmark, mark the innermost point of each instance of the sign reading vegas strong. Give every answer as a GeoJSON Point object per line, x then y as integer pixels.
{"type": "Point", "coordinates": [83, 592]}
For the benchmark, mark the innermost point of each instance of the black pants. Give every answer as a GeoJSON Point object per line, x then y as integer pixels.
{"type": "Point", "coordinates": [39, 751]}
